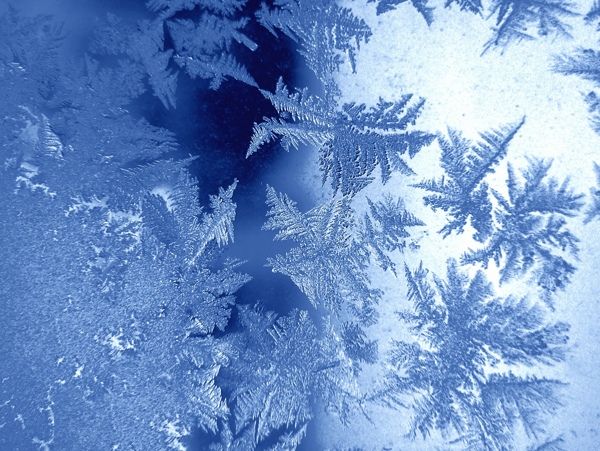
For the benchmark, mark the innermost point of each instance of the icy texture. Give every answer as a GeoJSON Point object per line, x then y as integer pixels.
{"type": "Point", "coordinates": [118, 288]}
{"type": "Point", "coordinates": [125, 326]}
{"type": "Point", "coordinates": [461, 366]}
{"type": "Point", "coordinates": [324, 31]}
{"type": "Point", "coordinates": [464, 195]}
{"type": "Point", "coordinates": [531, 230]}
{"type": "Point", "coordinates": [201, 47]}
{"type": "Point", "coordinates": [352, 142]}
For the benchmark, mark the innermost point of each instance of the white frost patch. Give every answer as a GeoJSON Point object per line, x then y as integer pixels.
{"type": "Point", "coordinates": [175, 432]}
{"type": "Point", "coordinates": [126, 224]}
{"type": "Point", "coordinates": [121, 342]}
{"type": "Point", "coordinates": [28, 171]}
{"type": "Point", "coordinates": [39, 134]}
{"type": "Point", "coordinates": [31, 131]}
{"type": "Point", "coordinates": [122, 218]}
{"type": "Point", "coordinates": [10, 162]}
{"type": "Point", "coordinates": [87, 206]}
{"type": "Point", "coordinates": [45, 444]}
{"type": "Point", "coordinates": [118, 344]}
{"type": "Point", "coordinates": [78, 372]}
{"type": "Point", "coordinates": [164, 192]}
{"type": "Point", "coordinates": [19, 419]}
{"type": "Point", "coordinates": [50, 142]}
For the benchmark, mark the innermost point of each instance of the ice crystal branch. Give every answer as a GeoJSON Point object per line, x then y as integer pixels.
{"type": "Point", "coordinates": [531, 230]}
{"type": "Point", "coordinates": [515, 18]}
{"type": "Point", "coordinates": [324, 30]}
{"type": "Point", "coordinates": [463, 194]}
{"type": "Point", "coordinates": [352, 142]}
{"type": "Point", "coordinates": [384, 6]}
{"type": "Point", "coordinates": [463, 334]}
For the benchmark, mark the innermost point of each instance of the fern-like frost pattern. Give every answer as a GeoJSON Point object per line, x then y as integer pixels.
{"type": "Point", "coordinates": [463, 194]}
{"type": "Point", "coordinates": [531, 231]}
{"type": "Point", "coordinates": [352, 142]}
{"type": "Point", "coordinates": [126, 321]}
{"type": "Point", "coordinates": [463, 334]}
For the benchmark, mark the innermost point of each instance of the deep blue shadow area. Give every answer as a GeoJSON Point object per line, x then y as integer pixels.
{"type": "Point", "coordinates": [216, 127]}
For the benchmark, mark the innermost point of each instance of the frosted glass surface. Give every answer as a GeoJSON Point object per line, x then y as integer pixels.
{"type": "Point", "coordinates": [299, 224]}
